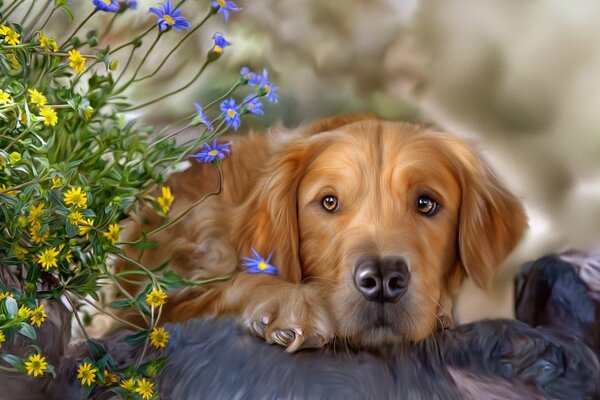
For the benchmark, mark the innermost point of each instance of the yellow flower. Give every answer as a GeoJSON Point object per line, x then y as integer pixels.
{"type": "Point", "coordinates": [88, 112]}
{"type": "Point", "coordinates": [165, 201]}
{"type": "Point", "coordinates": [7, 190]}
{"type": "Point", "coordinates": [37, 97]}
{"type": "Point", "coordinates": [76, 197]}
{"type": "Point", "coordinates": [38, 315]}
{"type": "Point", "coordinates": [36, 365]}
{"type": "Point", "coordinates": [156, 297]}
{"type": "Point", "coordinates": [113, 233]}
{"type": "Point", "coordinates": [34, 232]}
{"type": "Point", "coordinates": [24, 312]}
{"type": "Point", "coordinates": [19, 252]}
{"type": "Point", "coordinates": [4, 295]}
{"type": "Point", "coordinates": [74, 217]}
{"type": "Point", "coordinates": [5, 98]}
{"type": "Point", "coordinates": [128, 384]}
{"type": "Point", "coordinates": [109, 378]}
{"type": "Point", "coordinates": [15, 157]}
{"type": "Point", "coordinates": [35, 212]}
{"type": "Point", "coordinates": [56, 183]}
{"type": "Point", "coordinates": [22, 220]}
{"type": "Point", "coordinates": [77, 62]}
{"type": "Point", "coordinates": [85, 225]}
{"type": "Point", "coordinates": [47, 259]}
{"type": "Point", "coordinates": [2, 338]}
{"type": "Point", "coordinates": [86, 373]}
{"type": "Point", "coordinates": [49, 115]}
{"type": "Point", "coordinates": [145, 388]}
{"type": "Point", "coordinates": [159, 337]}
{"type": "Point", "coordinates": [47, 43]}
{"type": "Point", "coordinates": [10, 36]}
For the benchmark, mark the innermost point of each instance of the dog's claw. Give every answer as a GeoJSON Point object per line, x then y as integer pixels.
{"type": "Point", "coordinates": [257, 329]}
{"type": "Point", "coordinates": [284, 337]}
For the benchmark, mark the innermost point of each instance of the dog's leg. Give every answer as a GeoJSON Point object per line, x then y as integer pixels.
{"type": "Point", "coordinates": [292, 315]}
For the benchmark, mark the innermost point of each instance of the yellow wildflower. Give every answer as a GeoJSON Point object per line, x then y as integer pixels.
{"type": "Point", "coordinates": [109, 378]}
{"type": "Point", "coordinates": [145, 388]}
{"type": "Point", "coordinates": [165, 201]}
{"type": "Point", "coordinates": [36, 97]}
{"type": "Point", "coordinates": [24, 312]}
{"type": "Point", "coordinates": [49, 115]}
{"type": "Point", "coordinates": [4, 295]}
{"type": "Point", "coordinates": [38, 315]}
{"type": "Point", "coordinates": [19, 252]}
{"type": "Point", "coordinates": [76, 197]}
{"type": "Point", "coordinates": [47, 43]}
{"type": "Point", "coordinates": [128, 384]}
{"type": "Point", "coordinates": [74, 217]}
{"type": "Point", "coordinates": [77, 62]}
{"type": "Point", "coordinates": [159, 337]}
{"type": "Point", "coordinates": [34, 232]}
{"type": "Point", "coordinates": [5, 98]}
{"type": "Point", "coordinates": [156, 297]}
{"type": "Point", "coordinates": [85, 226]}
{"type": "Point", "coordinates": [35, 212]}
{"type": "Point", "coordinates": [36, 365]}
{"type": "Point", "coordinates": [113, 233]}
{"type": "Point", "coordinates": [47, 259]}
{"type": "Point", "coordinates": [22, 220]}
{"type": "Point", "coordinates": [2, 338]}
{"type": "Point", "coordinates": [86, 373]}
{"type": "Point", "coordinates": [56, 183]}
{"type": "Point", "coordinates": [7, 190]}
{"type": "Point", "coordinates": [15, 157]}
{"type": "Point", "coordinates": [10, 36]}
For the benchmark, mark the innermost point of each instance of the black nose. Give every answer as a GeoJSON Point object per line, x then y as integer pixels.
{"type": "Point", "coordinates": [382, 280]}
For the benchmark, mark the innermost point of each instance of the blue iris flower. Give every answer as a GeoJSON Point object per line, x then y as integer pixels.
{"type": "Point", "coordinates": [232, 116]}
{"type": "Point", "coordinates": [268, 88]}
{"type": "Point", "coordinates": [253, 105]}
{"type": "Point", "coordinates": [131, 4]}
{"type": "Point", "coordinates": [224, 7]}
{"type": "Point", "coordinates": [252, 78]}
{"type": "Point", "coordinates": [258, 265]}
{"type": "Point", "coordinates": [216, 152]}
{"type": "Point", "coordinates": [169, 18]}
{"type": "Point", "coordinates": [107, 5]}
{"type": "Point", "coordinates": [203, 117]}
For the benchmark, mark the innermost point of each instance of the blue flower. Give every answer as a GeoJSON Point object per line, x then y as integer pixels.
{"type": "Point", "coordinates": [131, 4]}
{"type": "Point", "coordinates": [107, 5]}
{"type": "Point", "coordinates": [232, 116]}
{"type": "Point", "coordinates": [251, 78]}
{"type": "Point", "coordinates": [220, 43]}
{"type": "Point", "coordinates": [202, 117]}
{"type": "Point", "coordinates": [214, 153]}
{"type": "Point", "coordinates": [259, 265]}
{"type": "Point", "coordinates": [169, 18]}
{"type": "Point", "coordinates": [224, 7]}
{"type": "Point", "coordinates": [267, 88]}
{"type": "Point", "coordinates": [253, 105]}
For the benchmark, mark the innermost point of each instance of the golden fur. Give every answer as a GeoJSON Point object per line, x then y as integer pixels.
{"type": "Point", "coordinates": [270, 201]}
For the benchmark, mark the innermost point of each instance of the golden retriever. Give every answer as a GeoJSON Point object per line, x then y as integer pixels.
{"type": "Point", "coordinates": [372, 226]}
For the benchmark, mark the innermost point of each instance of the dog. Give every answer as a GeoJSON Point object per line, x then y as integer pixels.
{"type": "Point", "coordinates": [372, 226]}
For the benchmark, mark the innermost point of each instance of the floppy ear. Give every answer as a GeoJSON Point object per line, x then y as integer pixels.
{"type": "Point", "coordinates": [492, 220]}
{"type": "Point", "coordinates": [268, 220]}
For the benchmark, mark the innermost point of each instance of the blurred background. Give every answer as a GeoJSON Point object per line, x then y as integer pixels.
{"type": "Point", "coordinates": [519, 77]}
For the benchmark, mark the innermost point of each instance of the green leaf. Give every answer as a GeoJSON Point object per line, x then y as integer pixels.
{"type": "Point", "coordinates": [97, 349]}
{"type": "Point", "coordinates": [121, 304]}
{"type": "Point", "coordinates": [146, 245]}
{"type": "Point", "coordinates": [135, 339]}
{"type": "Point", "coordinates": [28, 331]}
{"type": "Point", "coordinates": [12, 360]}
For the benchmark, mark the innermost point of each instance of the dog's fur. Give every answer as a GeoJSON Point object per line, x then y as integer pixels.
{"type": "Point", "coordinates": [270, 201]}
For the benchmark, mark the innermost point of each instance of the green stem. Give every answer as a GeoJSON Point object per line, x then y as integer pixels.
{"type": "Point", "coordinates": [14, 6]}
{"type": "Point", "coordinates": [170, 93]}
{"type": "Point", "coordinates": [27, 13]}
{"type": "Point", "coordinates": [46, 21]}
{"type": "Point", "coordinates": [126, 66]}
{"type": "Point", "coordinates": [106, 312]}
{"type": "Point", "coordinates": [7, 369]}
{"type": "Point", "coordinates": [137, 70]}
{"type": "Point", "coordinates": [86, 19]}
{"type": "Point", "coordinates": [175, 48]}
{"type": "Point", "coordinates": [140, 36]}
{"type": "Point", "coordinates": [109, 26]}
{"type": "Point", "coordinates": [76, 314]}
{"type": "Point", "coordinates": [221, 98]}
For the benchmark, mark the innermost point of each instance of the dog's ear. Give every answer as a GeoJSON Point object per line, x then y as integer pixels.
{"type": "Point", "coordinates": [492, 220]}
{"type": "Point", "coordinates": [268, 220]}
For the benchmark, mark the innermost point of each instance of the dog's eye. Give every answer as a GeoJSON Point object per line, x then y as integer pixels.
{"type": "Point", "coordinates": [427, 206]}
{"type": "Point", "coordinates": [330, 203]}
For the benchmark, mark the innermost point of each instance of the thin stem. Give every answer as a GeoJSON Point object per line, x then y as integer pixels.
{"type": "Point", "coordinates": [91, 303]}
{"type": "Point", "coordinates": [139, 265]}
{"type": "Point", "coordinates": [7, 369]}
{"type": "Point", "coordinates": [27, 13]}
{"type": "Point", "coordinates": [175, 48]}
{"type": "Point", "coordinates": [109, 26]}
{"type": "Point", "coordinates": [222, 97]}
{"type": "Point", "coordinates": [86, 19]}
{"type": "Point", "coordinates": [126, 66]}
{"type": "Point", "coordinates": [123, 291]}
{"type": "Point", "coordinates": [14, 6]}
{"type": "Point", "coordinates": [170, 135]}
{"type": "Point", "coordinates": [170, 93]}
{"type": "Point", "coordinates": [77, 317]}
{"type": "Point", "coordinates": [137, 70]}
{"type": "Point", "coordinates": [46, 21]}
{"type": "Point", "coordinates": [133, 40]}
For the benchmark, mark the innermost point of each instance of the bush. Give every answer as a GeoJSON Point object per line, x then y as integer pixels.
{"type": "Point", "coordinates": [73, 164]}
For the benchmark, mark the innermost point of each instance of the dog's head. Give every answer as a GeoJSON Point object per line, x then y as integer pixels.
{"type": "Point", "coordinates": [387, 218]}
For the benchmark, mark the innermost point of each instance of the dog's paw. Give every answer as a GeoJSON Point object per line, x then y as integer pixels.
{"type": "Point", "coordinates": [294, 318]}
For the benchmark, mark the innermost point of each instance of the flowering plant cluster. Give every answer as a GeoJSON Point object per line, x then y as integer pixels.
{"type": "Point", "coordinates": [73, 165]}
